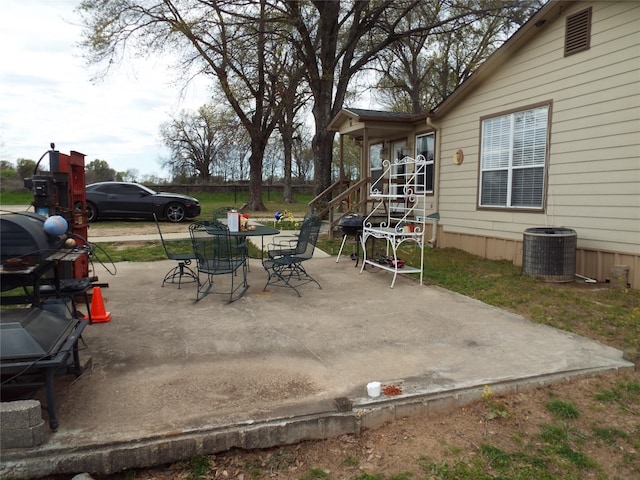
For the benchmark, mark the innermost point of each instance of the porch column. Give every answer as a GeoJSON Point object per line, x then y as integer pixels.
{"type": "Point", "coordinates": [366, 168]}
{"type": "Point", "coordinates": [341, 159]}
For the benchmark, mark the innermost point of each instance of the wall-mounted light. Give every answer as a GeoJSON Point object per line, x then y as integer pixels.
{"type": "Point", "coordinates": [458, 157]}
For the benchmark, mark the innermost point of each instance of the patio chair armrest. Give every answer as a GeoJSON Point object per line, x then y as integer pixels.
{"type": "Point", "coordinates": [282, 241]}
{"type": "Point", "coordinates": [282, 247]}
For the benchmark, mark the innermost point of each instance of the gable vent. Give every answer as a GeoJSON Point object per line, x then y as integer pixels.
{"type": "Point", "coordinates": [578, 34]}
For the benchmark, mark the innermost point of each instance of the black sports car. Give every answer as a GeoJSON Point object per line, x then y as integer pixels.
{"type": "Point", "coordinates": [132, 200]}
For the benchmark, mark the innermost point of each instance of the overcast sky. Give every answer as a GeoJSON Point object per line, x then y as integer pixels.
{"type": "Point", "coordinates": [46, 93]}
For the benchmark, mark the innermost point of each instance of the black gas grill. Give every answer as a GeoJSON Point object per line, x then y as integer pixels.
{"type": "Point", "coordinates": [24, 246]}
{"type": "Point", "coordinates": [351, 226]}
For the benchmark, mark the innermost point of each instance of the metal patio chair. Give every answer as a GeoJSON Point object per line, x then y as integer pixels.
{"type": "Point", "coordinates": [218, 253]}
{"type": "Point", "coordinates": [286, 244]}
{"type": "Point", "coordinates": [181, 273]}
{"type": "Point", "coordinates": [220, 215]}
{"type": "Point", "coordinates": [284, 263]}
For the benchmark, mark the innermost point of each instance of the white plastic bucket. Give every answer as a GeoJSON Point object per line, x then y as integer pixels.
{"type": "Point", "coordinates": [373, 389]}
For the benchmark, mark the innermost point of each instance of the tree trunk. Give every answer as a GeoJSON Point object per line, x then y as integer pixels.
{"type": "Point", "coordinates": [287, 194]}
{"type": "Point", "coordinates": [322, 159]}
{"type": "Point", "coordinates": [287, 130]}
{"type": "Point", "coordinates": [255, 202]}
{"type": "Point", "coordinates": [322, 143]}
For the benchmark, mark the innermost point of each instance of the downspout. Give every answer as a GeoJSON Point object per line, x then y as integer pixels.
{"type": "Point", "coordinates": [431, 243]}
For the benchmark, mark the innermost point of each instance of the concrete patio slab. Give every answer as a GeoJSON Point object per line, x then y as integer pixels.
{"type": "Point", "coordinates": [169, 377]}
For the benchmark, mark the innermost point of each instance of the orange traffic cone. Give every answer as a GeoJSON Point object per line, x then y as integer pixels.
{"type": "Point", "coordinates": [98, 313]}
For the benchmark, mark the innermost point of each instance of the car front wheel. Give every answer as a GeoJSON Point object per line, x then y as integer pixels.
{"type": "Point", "coordinates": [175, 212]}
{"type": "Point", "coordinates": [92, 212]}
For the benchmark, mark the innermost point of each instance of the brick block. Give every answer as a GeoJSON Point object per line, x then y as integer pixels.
{"type": "Point", "coordinates": [26, 437]}
{"type": "Point", "coordinates": [20, 414]}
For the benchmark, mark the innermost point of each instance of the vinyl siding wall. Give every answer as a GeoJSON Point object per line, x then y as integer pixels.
{"type": "Point", "coordinates": [593, 168]}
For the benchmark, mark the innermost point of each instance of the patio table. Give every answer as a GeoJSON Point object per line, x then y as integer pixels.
{"type": "Point", "coordinates": [259, 231]}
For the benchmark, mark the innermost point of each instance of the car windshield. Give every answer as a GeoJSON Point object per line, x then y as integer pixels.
{"type": "Point", "coordinates": [147, 189]}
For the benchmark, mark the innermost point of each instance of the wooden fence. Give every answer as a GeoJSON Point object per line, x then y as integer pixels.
{"type": "Point", "coordinates": [272, 191]}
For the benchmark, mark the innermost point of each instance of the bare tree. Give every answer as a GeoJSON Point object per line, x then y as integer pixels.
{"type": "Point", "coordinates": [243, 44]}
{"type": "Point", "coordinates": [289, 126]}
{"type": "Point", "coordinates": [273, 160]}
{"type": "Point", "coordinates": [419, 72]}
{"type": "Point", "coordinates": [129, 175]}
{"type": "Point", "coordinates": [302, 154]}
{"type": "Point", "coordinates": [201, 142]}
{"type": "Point", "coordinates": [337, 40]}
{"type": "Point", "coordinates": [234, 41]}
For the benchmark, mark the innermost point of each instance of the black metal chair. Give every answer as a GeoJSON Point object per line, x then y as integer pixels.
{"type": "Point", "coordinates": [284, 264]}
{"type": "Point", "coordinates": [218, 253]}
{"type": "Point", "coordinates": [220, 215]}
{"type": "Point", "coordinates": [182, 270]}
{"type": "Point", "coordinates": [286, 244]}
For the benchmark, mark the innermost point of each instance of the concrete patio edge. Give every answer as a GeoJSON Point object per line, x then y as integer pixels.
{"type": "Point", "coordinates": [366, 413]}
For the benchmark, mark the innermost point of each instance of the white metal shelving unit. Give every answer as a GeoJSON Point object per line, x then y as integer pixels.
{"type": "Point", "coordinates": [400, 201]}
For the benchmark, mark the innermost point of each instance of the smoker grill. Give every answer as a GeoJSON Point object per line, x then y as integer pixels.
{"type": "Point", "coordinates": [34, 343]}
{"type": "Point", "coordinates": [23, 246]}
{"type": "Point", "coordinates": [351, 226]}
{"type": "Point", "coordinates": [23, 236]}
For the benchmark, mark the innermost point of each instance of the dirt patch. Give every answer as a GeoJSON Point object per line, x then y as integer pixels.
{"type": "Point", "coordinates": [606, 433]}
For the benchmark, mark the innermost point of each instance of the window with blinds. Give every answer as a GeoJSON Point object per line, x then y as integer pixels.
{"type": "Point", "coordinates": [513, 159]}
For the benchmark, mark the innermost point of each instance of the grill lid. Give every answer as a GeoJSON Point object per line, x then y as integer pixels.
{"type": "Point", "coordinates": [351, 224]}
{"type": "Point", "coordinates": [23, 235]}
{"type": "Point", "coordinates": [351, 221]}
{"type": "Point", "coordinates": [32, 334]}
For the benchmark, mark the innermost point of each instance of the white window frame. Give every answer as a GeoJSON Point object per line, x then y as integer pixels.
{"type": "Point", "coordinates": [398, 173]}
{"type": "Point", "coordinates": [375, 160]}
{"type": "Point", "coordinates": [513, 159]}
{"type": "Point", "coordinates": [421, 186]}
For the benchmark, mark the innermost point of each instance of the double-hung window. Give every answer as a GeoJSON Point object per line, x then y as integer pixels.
{"type": "Point", "coordinates": [425, 146]}
{"type": "Point", "coordinates": [375, 161]}
{"type": "Point", "coordinates": [513, 159]}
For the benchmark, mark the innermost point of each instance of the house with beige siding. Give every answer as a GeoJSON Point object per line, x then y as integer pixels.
{"type": "Point", "coordinates": [545, 134]}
